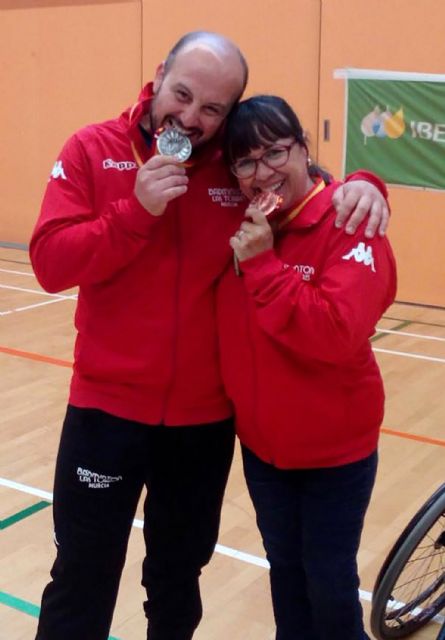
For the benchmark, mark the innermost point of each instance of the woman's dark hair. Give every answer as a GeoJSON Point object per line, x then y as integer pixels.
{"type": "Point", "coordinates": [259, 121]}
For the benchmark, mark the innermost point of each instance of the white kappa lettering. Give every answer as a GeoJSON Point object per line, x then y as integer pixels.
{"type": "Point", "coordinates": [121, 165]}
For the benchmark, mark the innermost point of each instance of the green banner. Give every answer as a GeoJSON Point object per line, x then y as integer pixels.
{"type": "Point", "coordinates": [396, 128]}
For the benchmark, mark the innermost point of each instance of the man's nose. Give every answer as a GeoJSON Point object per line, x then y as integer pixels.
{"type": "Point", "coordinates": [190, 116]}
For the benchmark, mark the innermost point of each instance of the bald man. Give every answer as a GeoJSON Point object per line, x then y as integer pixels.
{"type": "Point", "coordinates": [145, 239]}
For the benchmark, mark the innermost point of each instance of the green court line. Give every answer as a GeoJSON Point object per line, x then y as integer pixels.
{"type": "Point", "coordinates": [20, 605]}
{"type": "Point", "coordinates": [421, 322]}
{"type": "Point", "coordinates": [7, 522]}
{"type": "Point", "coordinates": [399, 326]}
{"type": "Point", "coordinates": [25, 607]}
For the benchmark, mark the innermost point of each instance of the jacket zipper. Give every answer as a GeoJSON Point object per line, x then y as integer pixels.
{"type": "Point", "coordinates": [255, 391]}
{"type": "Point", "coordinates": [174, 351]}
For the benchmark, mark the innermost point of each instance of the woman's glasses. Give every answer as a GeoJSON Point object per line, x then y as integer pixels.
{"type": "Point", "coordinates": [274, 158]}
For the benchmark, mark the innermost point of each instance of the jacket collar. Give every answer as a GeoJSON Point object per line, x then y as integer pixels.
{"type": "Point", "coordinates": [315, 209]}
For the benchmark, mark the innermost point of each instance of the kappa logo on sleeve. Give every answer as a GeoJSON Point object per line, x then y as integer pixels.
{"type": "Point", "coordinates": [361, 253]}
{"type": "Point", "coordinates": [57, 171]}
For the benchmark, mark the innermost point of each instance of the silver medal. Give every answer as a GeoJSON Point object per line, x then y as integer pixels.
{"type": "Point", "coordinates": [171, 142]}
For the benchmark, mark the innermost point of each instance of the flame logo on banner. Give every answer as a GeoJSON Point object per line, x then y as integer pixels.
{"type": "Point", "coordinates": [383, 124]}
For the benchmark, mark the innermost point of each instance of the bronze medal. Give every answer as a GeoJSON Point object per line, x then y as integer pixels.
{"type": "Point", "coordinates": [171, 142]}
{"type": "Point", "coordinates": [267, 202]}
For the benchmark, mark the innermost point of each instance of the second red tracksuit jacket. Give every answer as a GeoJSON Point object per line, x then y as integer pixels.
{"type": "Point", "coordinates": [294, 334]}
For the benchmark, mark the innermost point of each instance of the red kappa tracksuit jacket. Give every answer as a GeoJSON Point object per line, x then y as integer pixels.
{"type": "Point", "coordinates": [146, 347]}
{"type": "Point", "coordinates": [294, 333]}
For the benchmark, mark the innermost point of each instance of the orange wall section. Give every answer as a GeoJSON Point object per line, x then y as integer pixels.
{"type": "Point", "coordinates": [401, 35]}
{"type": "Point", "coordinates": [63, 65]}
{"type": "Point", "coordinates": [66, 63]}
{"type": "Point", "coordinates": [72, 62]}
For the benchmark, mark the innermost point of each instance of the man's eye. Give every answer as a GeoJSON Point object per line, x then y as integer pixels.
{"type": "Point", "coordinates": [182, 95]}
{"type": "Point", "coordinates": [212, 111]}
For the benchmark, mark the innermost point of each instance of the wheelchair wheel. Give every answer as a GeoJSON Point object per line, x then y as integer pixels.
{"type": "Point", "coordinates": [410, 587]}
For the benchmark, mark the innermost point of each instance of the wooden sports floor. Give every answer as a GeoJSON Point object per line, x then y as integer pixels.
{"type": "Point", "coordinates": [35, 356]}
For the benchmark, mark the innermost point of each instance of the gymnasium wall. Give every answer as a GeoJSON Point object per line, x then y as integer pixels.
{"type": "Point", "coordinates": [66, 63]}
{"type": "Point", "coordinates": [401, 35]}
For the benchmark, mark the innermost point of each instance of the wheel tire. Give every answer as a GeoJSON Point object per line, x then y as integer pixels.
{"type": "Point", "coordinates": [382, 613]}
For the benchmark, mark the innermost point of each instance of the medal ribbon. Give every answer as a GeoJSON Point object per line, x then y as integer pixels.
{"type": "Point", "coordinates": [294, 213]}
{"type": "Point", "coordinates": [136, 154]}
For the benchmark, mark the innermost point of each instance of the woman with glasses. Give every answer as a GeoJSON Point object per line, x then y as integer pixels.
{"type": "Point", "coordinates": [295, 319]}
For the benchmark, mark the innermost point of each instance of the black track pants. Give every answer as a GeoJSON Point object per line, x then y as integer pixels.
{"type": "Point", "coordinates": [102, 466]}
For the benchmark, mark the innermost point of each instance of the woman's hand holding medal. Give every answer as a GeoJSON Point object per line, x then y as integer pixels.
{"type": "Point", "coordinates": [255, 234]}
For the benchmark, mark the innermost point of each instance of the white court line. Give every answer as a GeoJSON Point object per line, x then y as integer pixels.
{"type": "Point", "coordinates": [248, 558]}
{"type": "Point", "coordinates": [24, 488]}
{"type": "Point", "coordinates": [58, 297]}
{"type": "Point", "coordinates": [396, 604]}
{"type": "Point", "coordinates": [409, 335]}
{"type": "Point", "coordinates": [55, 297]}
{"type": "Point", "coordinates": [418, 356]}
{"type": "Point", "coordinates": [18, 273]}
{"type": "Point", "coordinates": [74, 297]}
{"type": "Point", "coordinates": [37, 291]}
{"type": "Point", "coordinates": [378, 330]}
{"type": "Point", "coordinates": [38, 304]}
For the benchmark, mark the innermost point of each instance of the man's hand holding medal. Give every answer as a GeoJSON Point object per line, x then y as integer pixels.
{"type": "Point", "coordinates": [163, 177]}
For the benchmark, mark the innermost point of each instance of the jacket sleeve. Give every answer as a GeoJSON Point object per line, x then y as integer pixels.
{"type": "Point", "coordinates": [331, 317]}
{"type": "Point", "coordinates": [362, 174]}
{"type": "Point", "coordinates": [72, 243]}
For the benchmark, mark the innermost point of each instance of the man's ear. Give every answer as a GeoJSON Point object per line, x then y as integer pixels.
{"type": "Point", "coordinates": [159, 77]}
